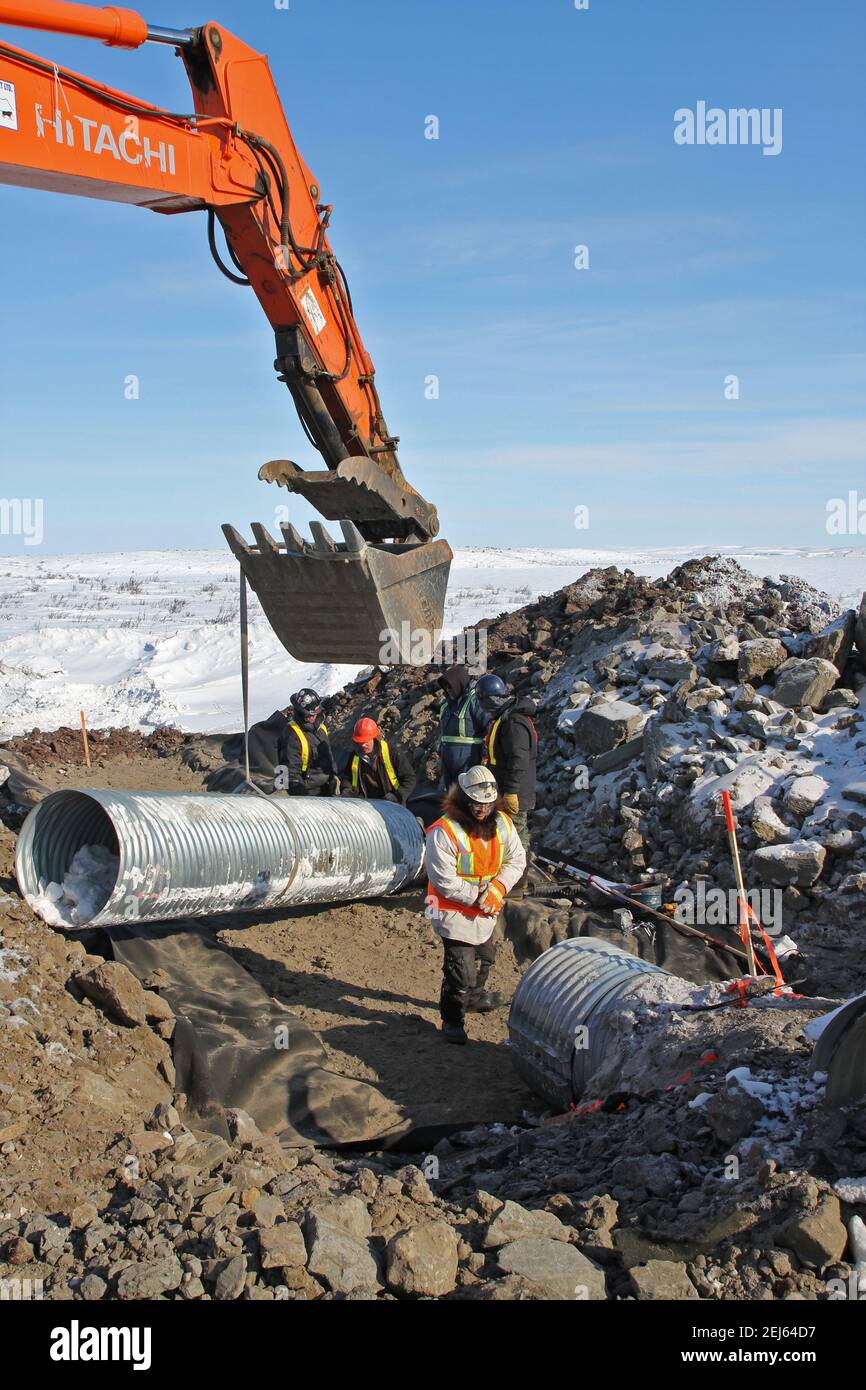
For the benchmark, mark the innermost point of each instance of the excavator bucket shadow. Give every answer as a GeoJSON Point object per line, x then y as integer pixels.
{"type": "Point", "coordinates": [353, 603]}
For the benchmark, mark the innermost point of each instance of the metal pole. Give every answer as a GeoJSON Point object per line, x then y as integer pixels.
{"type": "Point", "coordinates": [179, 38]}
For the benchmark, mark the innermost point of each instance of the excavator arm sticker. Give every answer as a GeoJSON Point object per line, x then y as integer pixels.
{"type": "Point", "coordinates": [8, 106]}
{"type": "Point", "coordinates": [315, 317]}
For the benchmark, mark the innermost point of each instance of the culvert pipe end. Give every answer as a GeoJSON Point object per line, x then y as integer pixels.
{"type": "Point", "coordinates": [182, 854]}
{"type": "Point", "coordinates": [561, 1010]}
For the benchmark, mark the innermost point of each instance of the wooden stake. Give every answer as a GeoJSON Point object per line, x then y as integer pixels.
{"type": "Point", "coordinates": [84, 738]}
{"type": "Point", "coordinates": [745, 925]}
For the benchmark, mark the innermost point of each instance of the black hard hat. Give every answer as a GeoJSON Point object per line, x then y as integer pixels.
{"type": "Point", "coordinates": [307, 704]}
{"type": "Point", "coordinates": [492, 693]}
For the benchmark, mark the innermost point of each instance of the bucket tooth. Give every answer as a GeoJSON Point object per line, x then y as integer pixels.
{"type": "Point", "coordinates": [352, 536]}
{"type": "Point", "coordinates": [237, 544]}
{"type": "Point", "coordinates": [264, 539]}
{"type": "Point", "coordinates": [357, 602]}
{"type": "Point", "coordinates": [293, 538]}
{"type": "Point", "coordinates": [322, 538]}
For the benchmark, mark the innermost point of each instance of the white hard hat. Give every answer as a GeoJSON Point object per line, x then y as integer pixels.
{"type": "Point", "coordinates": [479, 784]}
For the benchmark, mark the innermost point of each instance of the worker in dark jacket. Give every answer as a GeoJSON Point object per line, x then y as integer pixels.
{"type": "Point", "coordinates": [510, 749]}
{"type": "Point", "coordinates": [376, 769]}
{"type": "Point", "coordinates": [462, 724]}
{"type": "Point", "coordinates": [306, 762]}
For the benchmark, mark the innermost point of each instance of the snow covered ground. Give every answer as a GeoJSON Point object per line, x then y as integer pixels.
{"type": "Point", "coordinates": [149, 638]}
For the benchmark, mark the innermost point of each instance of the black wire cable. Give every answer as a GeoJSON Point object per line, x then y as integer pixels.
{"type": "Point", "coordinates": [93, 88]}
{"type": "Point", "coordinates": [211, 241]}
{"type": "Point", "coordinates": [306, 256]}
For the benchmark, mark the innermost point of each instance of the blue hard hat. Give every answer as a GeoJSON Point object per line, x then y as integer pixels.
{"type": "Point", "coordinates": [492, 693]}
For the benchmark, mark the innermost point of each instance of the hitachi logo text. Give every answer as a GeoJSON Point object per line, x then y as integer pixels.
{"type": "Point", "coordinates": [93, 137]}
{"type": "Point", "coordinates": [77, 1343]}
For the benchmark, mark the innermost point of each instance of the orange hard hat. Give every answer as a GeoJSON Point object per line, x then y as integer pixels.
{"type": "Point", "coordinates": [365, 730]}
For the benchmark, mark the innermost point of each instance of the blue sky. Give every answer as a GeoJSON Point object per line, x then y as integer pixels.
{"type": "Point", "coordinates": [558, 387]}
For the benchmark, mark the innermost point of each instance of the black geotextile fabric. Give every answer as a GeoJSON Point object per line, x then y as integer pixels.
{"type": "Point", "coordinates": [235, 1047]}
{"type": "Point", "coordinates": [664, 945]}
{"type": "Point", "coordinates": [535, 923]}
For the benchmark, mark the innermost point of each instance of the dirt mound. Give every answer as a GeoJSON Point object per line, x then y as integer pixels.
{"type": "Point", "coordinates": [65, 745]}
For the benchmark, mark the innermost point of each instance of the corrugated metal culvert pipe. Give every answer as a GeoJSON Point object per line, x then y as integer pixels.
{"type": "Point", "coordinates": [557, 1024]}
{"type": "Point", "coordinates": [183, 854]}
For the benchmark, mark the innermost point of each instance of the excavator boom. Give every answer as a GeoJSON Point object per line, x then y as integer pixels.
{"type": "Point", "coordinates": [234, 158]}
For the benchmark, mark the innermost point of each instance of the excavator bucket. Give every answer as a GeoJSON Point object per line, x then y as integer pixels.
{"type": "Point", "coordinates": [355, 602]}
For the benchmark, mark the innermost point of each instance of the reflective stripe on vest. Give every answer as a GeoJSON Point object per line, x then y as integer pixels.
{"type": "Point", "coordinates": [462, 736]}
{"type": "Point", "coordinates": [491, 740]}
{"type": "Point", "coordinates": [470, 849]}
{"type": "Point", "coordinates": [305, 745]}
{"type": "Point", "coordinates": [386, 763]}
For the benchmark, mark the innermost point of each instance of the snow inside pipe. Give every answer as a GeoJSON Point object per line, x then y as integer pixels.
{"type": "Point", "coordinates": [101, 858]}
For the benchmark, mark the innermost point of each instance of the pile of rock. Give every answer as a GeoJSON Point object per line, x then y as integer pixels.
{"type": "Point", "coordinates": [653, 698]}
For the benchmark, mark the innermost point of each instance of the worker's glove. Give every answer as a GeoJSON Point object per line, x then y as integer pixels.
{"type": "Point", "coordinates": [333, 786]}
{"type": "Point", "coordinates": [511, 803]}
{"type": "Point", "coordinates": [491, 897]}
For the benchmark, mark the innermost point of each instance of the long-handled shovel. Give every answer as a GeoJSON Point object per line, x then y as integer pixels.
{"type": "Point", "coordinates": [745, 925]}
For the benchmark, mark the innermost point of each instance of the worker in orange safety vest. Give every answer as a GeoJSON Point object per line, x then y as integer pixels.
{"type": "Point", "coordinates": [474, 857]}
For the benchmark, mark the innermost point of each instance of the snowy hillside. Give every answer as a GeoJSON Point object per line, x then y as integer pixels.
{"type": "Point", "coordinates": [149, 638]}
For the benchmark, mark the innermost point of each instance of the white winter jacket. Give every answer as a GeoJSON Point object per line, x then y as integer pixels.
{"type": "Point", "coordinates": [450, 922]}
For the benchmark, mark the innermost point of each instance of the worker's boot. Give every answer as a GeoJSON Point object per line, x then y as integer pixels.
{"type": "Point", "coordinates": [481, 1000]}
{"type": "Point", "coordinates": [454, 1033]}
{"type": "Point", "coordinates": [484, 1001]}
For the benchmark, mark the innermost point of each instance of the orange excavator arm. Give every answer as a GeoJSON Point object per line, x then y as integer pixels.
{"type": "Point", "coordinates": [234, 158]}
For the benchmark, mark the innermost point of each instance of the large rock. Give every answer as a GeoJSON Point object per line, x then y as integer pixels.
{"type": "Point", "coordinates": [662, 742]}
{"type": "Point", "coordinates": [349, 1213]}
{"type": "Point", "coordinates": [798, 865]}
{"type": "Point", "coordinates": [606, 726]}
{"type": "Point", "coordinates": [855, 791]}
{"type": "Point", "coordinates": [422, 1260]}
{"type": "Point", "coordinates": [835, 642]}
{"type": "Point", "coordinates": [804, 682]}
{"type": "Point", "coordinates": [618, 757]}
{"type": "Point", "coordinates": [655, 1173]}
{"type": "Point", "coordinates": [804, 794]}
{"type": "Point", "coordinates": [556, 1269]}
{"type": "Point", "coordinates": [231, 1280]}
{"type": "Point", "coordinates": [514, 1222]}
{"type": "Point", "coordinates": [673, 670]}
{"type": "Point", "coordinates": [724, 650]}
{"type": "Point", "coordinates": [339, 1259]}
{"type": "Point", "coordinates": [767, 825]}
{"type": "Point", "coordinates": [732, 1114]}
{"type": "Point", "coordinates": [282, 1246]}
{"type": "Point", "coordinates": [116, 990]}
{"type": "Point", "coordinates": [759, 656]}
{"type": "Point", "coordinates": [661, 1280]}
{"type": "Point", "coordinates": [151, 1279]}
{"type": "Point", "coordinates": [817, 1237]}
